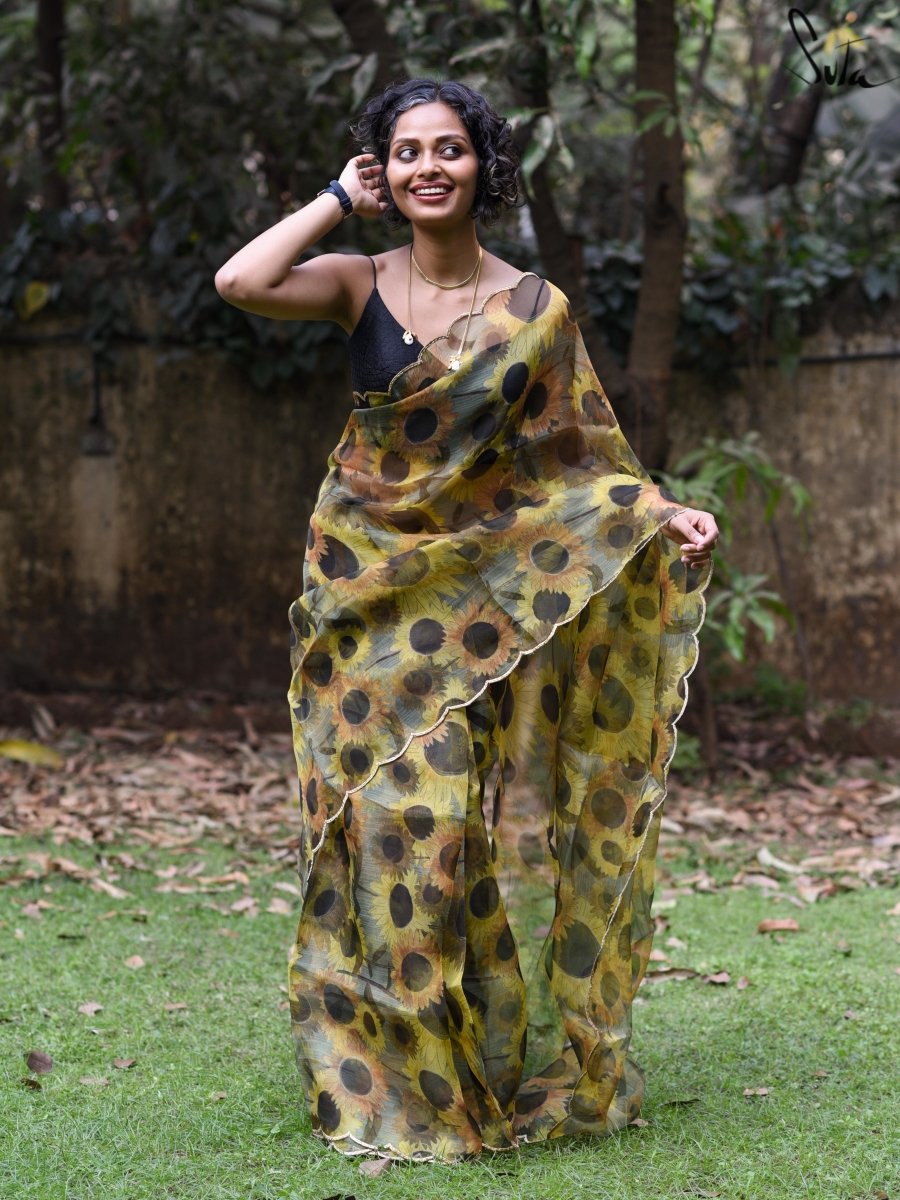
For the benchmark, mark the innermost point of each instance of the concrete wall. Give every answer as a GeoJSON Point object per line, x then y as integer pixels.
{"type": "Point", "coordinates": [172, 561]}
{"type": "Point", "coordinates": [834, 425]}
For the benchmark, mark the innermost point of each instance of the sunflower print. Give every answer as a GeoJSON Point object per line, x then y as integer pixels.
{"type": "Point", "coordinates": [490, 657]}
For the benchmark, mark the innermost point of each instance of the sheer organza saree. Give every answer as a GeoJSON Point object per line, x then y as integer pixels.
{"type": "Point", "coordinates": [489, 658]}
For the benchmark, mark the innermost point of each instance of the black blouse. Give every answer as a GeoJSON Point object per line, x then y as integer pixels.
{"type": "Point", "coordinates": [377, 348]}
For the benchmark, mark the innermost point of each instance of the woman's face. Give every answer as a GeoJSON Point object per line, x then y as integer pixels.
{"type": "Point", "coordinates": [432, 167]}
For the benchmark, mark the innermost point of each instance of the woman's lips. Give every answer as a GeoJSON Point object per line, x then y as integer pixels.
{"type": "Point", "coordinates": [431, 198]}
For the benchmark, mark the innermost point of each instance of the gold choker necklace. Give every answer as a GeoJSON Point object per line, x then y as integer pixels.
{"type": "Point", "coordinates": [409, 337]}
{"type": "Point", "coordinates": [447, 287]}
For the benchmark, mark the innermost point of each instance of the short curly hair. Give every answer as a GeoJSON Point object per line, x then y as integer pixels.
{"type": "Point", "coordinates": [491, 135]}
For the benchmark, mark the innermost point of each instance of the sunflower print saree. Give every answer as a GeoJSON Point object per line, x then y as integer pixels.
{"type": "Point", "coordinates": [490, 655]}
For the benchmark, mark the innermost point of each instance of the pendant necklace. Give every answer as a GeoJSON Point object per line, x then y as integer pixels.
{"type": "Point", "coordinates": [408, 336]}
{"type": "Point", "coordinates": [455, 360]}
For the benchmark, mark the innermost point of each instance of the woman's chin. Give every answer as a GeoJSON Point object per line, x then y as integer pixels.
{"type": "Point", "coordinates": [435, 218]}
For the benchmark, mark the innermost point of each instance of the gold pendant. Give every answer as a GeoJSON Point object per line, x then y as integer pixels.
{"type": "Point", "coordinates": [408, 336]}
{"type": "Point", "coordinates": [454, 363]}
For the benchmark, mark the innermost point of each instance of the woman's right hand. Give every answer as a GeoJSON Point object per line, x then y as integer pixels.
{"type": "Point", "coordinates": [264, 276]}
{"type": "Point", "coordinates": [696, 532]}
{"type": "Point", "coordinates": [361, 179]}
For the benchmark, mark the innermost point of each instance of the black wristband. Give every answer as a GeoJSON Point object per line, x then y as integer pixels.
{"type": "Point", "coordinates": [336, 190]}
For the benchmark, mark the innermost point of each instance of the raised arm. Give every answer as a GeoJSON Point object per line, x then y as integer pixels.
{"type": "Point", "coordinates": [261, 278]}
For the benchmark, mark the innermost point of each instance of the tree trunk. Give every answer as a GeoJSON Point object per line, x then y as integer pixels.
{"type": "Point", "coordinates": [789, 126]}
{"type": "Point", "coordinates": [368, 31]}
{"type": "Point", "coordinates": [559, 252]}
{"type": "Point", "coordinates": [665, 230]}
{"type": "Point", "coordinates": [50, 31]}
{"type": "Point", "coordinates": [788, 118]}
{"type": "Point", "coordinates": [5, 208]}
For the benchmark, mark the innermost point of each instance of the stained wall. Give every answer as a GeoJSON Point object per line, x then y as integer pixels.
{"type": "Point", "coordinates": [172, 559]}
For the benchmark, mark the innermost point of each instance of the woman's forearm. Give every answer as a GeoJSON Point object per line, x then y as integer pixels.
{"type": "Point", "coordinates": [265, 262]}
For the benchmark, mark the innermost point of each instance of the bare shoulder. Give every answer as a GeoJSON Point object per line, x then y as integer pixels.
{"type": "Point", "coordinates": [496, 273]}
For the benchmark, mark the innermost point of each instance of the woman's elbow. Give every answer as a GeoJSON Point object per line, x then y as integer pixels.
{"type": "Point", "coordinates": [226, 282]}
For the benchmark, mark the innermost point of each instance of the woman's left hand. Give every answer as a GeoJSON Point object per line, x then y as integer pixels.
{"type": "Point", "coordinates": [696, 532]}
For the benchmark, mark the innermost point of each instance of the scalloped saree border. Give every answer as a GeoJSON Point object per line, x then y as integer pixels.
{"type": "Point", "coordinates": [363, 1149]}
{"type": "Point", "coordinates": [703, 585]}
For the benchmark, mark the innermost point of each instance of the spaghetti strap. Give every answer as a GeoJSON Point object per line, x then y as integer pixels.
{"type": "Point", "coordinates": [374, 275]}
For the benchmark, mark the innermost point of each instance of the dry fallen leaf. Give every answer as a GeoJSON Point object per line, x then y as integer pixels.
{"type": "Point", "coordinates": [218, 1095]}
{"type": "Point", "coordinates": [820, 1074]}
{"type": "Point", "coordinates": [757, 1091]}
{"type": "Point", "coordinates": [117, 893]}
{"type": "Point", "coordinates": [31, 909]}
{"type": "Point", "coordinates": [135, 961]}
{"type": "Point", "coordinates": [90, 1007]}
{"type": "Point", "coordinates": [755, 879]}
{"type": "Point", "coordinates": [124, 1063]}
{"type": "Point", "coordinates": [373, 1167]}
{"type": "Point", "coordinates": [288, 887]}
{"type": "Point", "coordinates": [175, 1007]}
{"type": "Point", "coordinates": [771, 924]}
{"type": "Point", "coordinates": [282, 908]}
{"type": "Point", "coordinates": [34, 1084]}
{"type": "Point", "coordinates": [30, 752]}
{"type": "Point", "coordinates": [39, 1062]}
{"type": "Point", "coordinates": [719, 977]}
{"type": "Point", "coordinates": [766, 858]}
{"type": "Point", "coordinates": [851, 1014]}
{"type": "Point", "coordinates": [742, 983]}
{"type": "Point", "coordinates": [663, 973]}
{"type": "Point", "coordinates": [811, 890]}
{"type": "Point", "coordinates": [638, 1121]}
{"type": "Point", "coordinates": [94, 1080]}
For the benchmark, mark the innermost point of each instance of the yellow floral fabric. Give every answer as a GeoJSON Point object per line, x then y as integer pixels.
{"type": "Point", "coordinates": [489, 659]}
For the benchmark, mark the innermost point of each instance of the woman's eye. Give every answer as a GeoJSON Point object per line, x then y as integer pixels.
{"type": "Point", "coordinates": [408, 153]}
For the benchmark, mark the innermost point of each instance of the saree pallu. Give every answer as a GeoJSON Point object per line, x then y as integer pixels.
{"type": "Point", "coordinates": [489, 658]}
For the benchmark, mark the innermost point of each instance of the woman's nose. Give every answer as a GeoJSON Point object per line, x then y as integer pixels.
{"type": "Point", "coordinates": [427, 163]}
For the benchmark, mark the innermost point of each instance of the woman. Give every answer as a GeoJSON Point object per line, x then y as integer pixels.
{"type": "Point", "coordinates": [495, 605]}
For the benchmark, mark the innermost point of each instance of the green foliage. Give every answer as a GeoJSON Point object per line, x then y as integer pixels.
{"type": "Point", "coordinates": [776, 693]}
{"type": "Point", "coordinates": [740, 289]}
{"type": "Point", "coordinates": [193, 126]}
{"type": "Point", "coordinates": [688, 758]}
{"type": "Point", "coordinates": [179, 150]}
{"type": "Point", "coordinates": [724, 476]}
{"type": "Point", "coordinates": [857, 711]}
{"type": "Point", "coordinates": [739, 601]}
{"type": "Point", "coordinates": [720, 471]}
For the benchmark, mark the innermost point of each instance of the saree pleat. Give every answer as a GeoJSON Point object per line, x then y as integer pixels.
{"type": "Point", "coordinates": [489, 657]}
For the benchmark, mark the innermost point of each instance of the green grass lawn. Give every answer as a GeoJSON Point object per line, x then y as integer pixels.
{"type": "Point", "coordinates": [211, 1107]}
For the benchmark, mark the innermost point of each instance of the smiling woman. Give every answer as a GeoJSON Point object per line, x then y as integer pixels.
{"type": "Point", "coordinates": [490, 656]}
